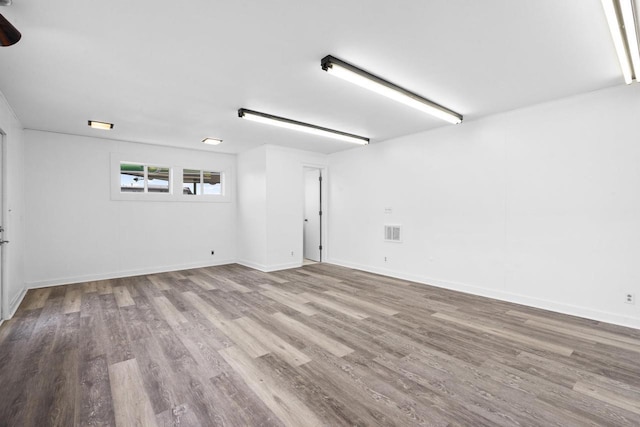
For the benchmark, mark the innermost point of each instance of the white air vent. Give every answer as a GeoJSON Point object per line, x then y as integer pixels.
{"type": "Point", "coordinates": [392, 233]}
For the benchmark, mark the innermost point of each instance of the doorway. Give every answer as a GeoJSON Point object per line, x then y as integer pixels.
{"type": "Point", "coordinates": [312, 235]}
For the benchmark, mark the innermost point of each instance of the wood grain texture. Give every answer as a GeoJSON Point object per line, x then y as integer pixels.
{"type": "Point", "coordinates": [335, 306]}
{"type": "Point", "coordinates": [305, 332]}
{"type": "Point", "coordinates": [169, 311]}
{"type": "Point", "coordinates": [235, 333]}
{"type": "Point", "coordinates": [72, 300]}
{"type": "Point", "coordinates": [123, 297]}
{"type": "Point", "coordinates": [36, 299]}
{"type": "Point", "coordinates": [273, 342]}
{"type": "Point", "coordinates": [543, 345]}
{"type": "Point", "coordinates": [131, 403]}
{"type": "Point", "coordinates": [359, 302]}
{"type": "Point", "coordinates": [291, 411]}
{"type": "Point", "coordinates": [318, 345]}
{"type": "Point", "coordinates": [289, 299]}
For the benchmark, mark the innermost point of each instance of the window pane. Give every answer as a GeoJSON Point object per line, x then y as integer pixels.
{"type": "Point", "coordinates": [190, 181]}
{"type": "Point", "coordinates": [158, 179]}
{"type": "Point", "coordinates": [211, 183]}
{"type": "Point", "coordinates": [131, 178]}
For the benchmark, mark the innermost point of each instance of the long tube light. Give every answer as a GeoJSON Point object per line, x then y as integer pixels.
{"type": "Point", "coordinates": [622, 24]}
{"type": "Point", "coordinates": [628, 17]}
{"type": "Point", "coordinates": [300, 126]}
{"type": "Point", "coordinates": [383, 87]}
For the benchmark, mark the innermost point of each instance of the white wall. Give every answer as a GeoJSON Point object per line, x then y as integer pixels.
{"type": "Point", "coordinates": [271, 206]}
{"type": "Point", "coordinates": [13, 210]}
{"type": "Point", "coordinates": [539, 206]}
{"type": "Point", "coordinates": [252, 208]}
{"type": "Point", "coordinates": [285, 204]}
{"type": "Point", "coordinates": [76, 232]}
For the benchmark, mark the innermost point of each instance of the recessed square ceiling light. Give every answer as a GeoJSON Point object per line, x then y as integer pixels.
{"type": "Point", "coordinates": [212, 141]}
{"type": "Point", "coordinates": [100, 125]}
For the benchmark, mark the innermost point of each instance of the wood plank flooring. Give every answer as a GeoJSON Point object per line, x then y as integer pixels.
{"type": "Point", "coordinates": [316, 346]}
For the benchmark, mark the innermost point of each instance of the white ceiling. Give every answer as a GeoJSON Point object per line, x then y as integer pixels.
{"type": "Point", "coordinates": [172, 73]}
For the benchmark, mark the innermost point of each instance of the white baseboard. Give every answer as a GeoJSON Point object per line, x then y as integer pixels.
{"type": "Point", "coordinates": [125, 273]}
{"type": "Point", "coordinates": [269, 268]}
{"type": "Point", "coordinates": [585, 312]}
{"type": "Point", "coordinates": [253, 265]}
{"type": "Point", "coordinates": [286, 266]}
{"type": "Point", "coordinates": [15, 303]}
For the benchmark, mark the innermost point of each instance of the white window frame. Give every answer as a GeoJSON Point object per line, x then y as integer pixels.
{"type": "Point", "coordinates": [145, 177]}
{"type": "Point", "coordinates": [175, 180]}
{"type": "Point", "coordinates": [204, 197]}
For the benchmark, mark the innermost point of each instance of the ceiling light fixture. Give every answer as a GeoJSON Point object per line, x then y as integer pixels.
{"type": "Point", "coordinates": [9, 35]}
{"type": "Point", "coordinates": [622, 24]}
{"type": "Point", "coordinates": [376, 84]}
{"type": "Point", "coordinates": [100, 125]}
{"type": "Point", "coordinates": [301, 126]}
{"type": "Point", "coordinates": [212, 141]}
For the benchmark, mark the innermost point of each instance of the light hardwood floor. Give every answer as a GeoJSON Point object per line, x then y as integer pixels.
{"type": "Point", "coordinates": [318, 345]}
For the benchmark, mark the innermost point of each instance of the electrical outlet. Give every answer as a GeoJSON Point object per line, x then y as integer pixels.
{"type": "Point", "coordinates": [213, 252]}
{"type": "Point", "coordinates": [630, 298]}
{"type": "Point", "coordinates": [291, 253]}
{"type": "Point", "coordinates": [385, 259]}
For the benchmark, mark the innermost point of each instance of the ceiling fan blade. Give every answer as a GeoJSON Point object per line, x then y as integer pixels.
{"type": "Point", "coordinates": [8, 33]}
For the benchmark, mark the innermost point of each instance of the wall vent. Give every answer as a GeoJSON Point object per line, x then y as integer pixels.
{"type": "Point", "coordinates": [392, 233]}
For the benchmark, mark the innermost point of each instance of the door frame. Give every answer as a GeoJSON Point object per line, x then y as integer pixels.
{"type": "Point", "coordinates": [324, 208]}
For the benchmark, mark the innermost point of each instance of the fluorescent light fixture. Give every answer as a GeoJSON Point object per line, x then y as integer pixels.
{"type": "Point", "coordinates": [100, 125]}
{"type": "Point", "coordinates": [301, 126]}
{"type": "Point", "coordinates": [621, 19]}
{"type": "Point", "coordinates": [212, 141]}
{"type": "Point", "coordinates": [628, 17]}
{"type": "Point", "coordinates": [376, 84]}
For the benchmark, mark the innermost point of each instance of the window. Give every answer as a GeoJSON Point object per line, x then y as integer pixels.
{"type": "Point", "coordinates": [158, 179]}
{"type": "Point", "coordinates": [131, 178]}
{"type": "Point", "coordinates": [140, 178]}
{"type": "Point", "coordinates": [198, 182]}
{"type": "Point", "coordinates": [162, 177]}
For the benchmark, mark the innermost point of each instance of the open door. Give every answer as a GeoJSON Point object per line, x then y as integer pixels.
{"type": "Point", "coordinates": [313, 215]}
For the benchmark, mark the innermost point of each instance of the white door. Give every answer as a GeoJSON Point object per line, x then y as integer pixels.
{"type": "Point", "coordinates": [3, 293]}
{"type": "Point", "coordinates": [312, 214]}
